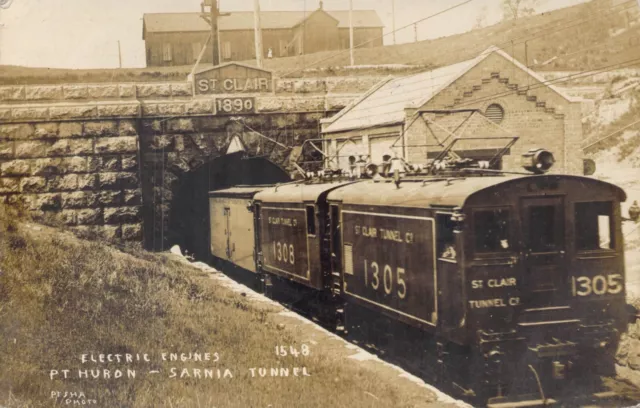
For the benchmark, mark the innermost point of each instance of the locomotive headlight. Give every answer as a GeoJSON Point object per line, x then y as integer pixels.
{"type": "Point", "coordinates": [457, 215]}
{"type": "Point", "coordinates": [371, 170]}
{"type": "Point", "coordinates": [538, 161]}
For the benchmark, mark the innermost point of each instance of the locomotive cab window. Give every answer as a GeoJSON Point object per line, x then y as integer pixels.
{"type": "Point", "coordinates": [542, 224]}
{"type": "Point", "coordinates": [594, 226]}
{"type": "Point", "coordinates": [446, 239]}
{"type": "Point", "coordinates": [311, 220]}
{"type": "Point", "coordinates": [491, 229]}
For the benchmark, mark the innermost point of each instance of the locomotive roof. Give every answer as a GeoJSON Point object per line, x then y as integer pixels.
{"type": "Point", "coordinates": [436, 192]}
{"type": "Point", "coordinates": [447, 192]}
{"type": "Point", "coordinates": [240, 191]}
{"type": "Point", "coordinates": [297, 192]}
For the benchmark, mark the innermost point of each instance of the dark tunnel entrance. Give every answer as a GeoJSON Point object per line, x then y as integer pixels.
{"type": "Point", "coordinates": [189, 214]}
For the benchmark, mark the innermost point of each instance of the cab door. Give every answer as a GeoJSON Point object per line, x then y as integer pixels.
{"type": "Point", "coordinates": [543, 236]}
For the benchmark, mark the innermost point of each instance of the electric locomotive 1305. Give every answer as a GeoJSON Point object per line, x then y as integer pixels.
{"type": "Point", "coordinates": [519, 277]}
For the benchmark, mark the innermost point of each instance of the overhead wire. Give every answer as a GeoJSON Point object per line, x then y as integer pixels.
{"type": "Point", "coordinates": [573, 76]}
{"type": "Point", "coordinates": [377, 38]}
{"type": "Point", "coordinates": [630, 4]}
{"type": "Point", "coordinates": [526, 38]}
{"type": "Point", "coordinates": [482, 53]}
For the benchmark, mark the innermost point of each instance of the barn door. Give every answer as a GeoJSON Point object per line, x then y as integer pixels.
{"type": "Point", "coordinates": [545, 272]}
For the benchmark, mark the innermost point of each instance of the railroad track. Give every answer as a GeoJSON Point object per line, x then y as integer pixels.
{"type": "Point", "coordinates": [392, 349]}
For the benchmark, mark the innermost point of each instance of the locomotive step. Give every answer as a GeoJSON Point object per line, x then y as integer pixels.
{"type": "Point", "coordinates": [594, 398]}
{"type": "Point", "coordinates": [549, 322]}
{"type": "Point", "coordinates": [524, 404]}
{"type": "Point", "coordinates": [544, 314]}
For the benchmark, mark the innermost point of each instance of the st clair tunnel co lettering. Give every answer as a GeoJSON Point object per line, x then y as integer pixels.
{"type": "Point", "coordinates": [494, 283]}
{"type": "Point", "coordinates": [384, 234]}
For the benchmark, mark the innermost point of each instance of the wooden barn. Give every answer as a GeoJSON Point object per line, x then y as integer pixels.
{"type": "Point", "coordinates": [177, 38]}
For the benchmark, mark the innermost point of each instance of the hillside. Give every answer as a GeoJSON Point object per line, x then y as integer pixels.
{"type": "Point", "coordinates": [592, 36]}
{"type": "Point", "coordinates": [589, 36]}
{"type": "Point", "coordinates": [69, 304]}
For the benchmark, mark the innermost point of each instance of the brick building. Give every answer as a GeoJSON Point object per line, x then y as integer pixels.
{"type": "Point", "coordinates": [177, 38]}
{"type": "Point", "coordinates": [491, 96]}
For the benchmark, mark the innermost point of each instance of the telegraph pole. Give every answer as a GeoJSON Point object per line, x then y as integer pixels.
{"type": "Point", "coordinates": [351, 32]}
{"type": "Point", "coordinates": [258, 32]}
{"type": "Point", "coordinates": [1, 27]}
{"type": "Point", "coordinates": [214, 13]}
{"type": "Point", "coordinates": [119, 54]}
{"type": "Point", "coordinates": [393, 16]}
{"type": "Point", "coordinates": [415, 32]}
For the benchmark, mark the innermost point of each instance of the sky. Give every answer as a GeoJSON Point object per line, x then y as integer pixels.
{"type": "Point", "coordinates": [85, 33]}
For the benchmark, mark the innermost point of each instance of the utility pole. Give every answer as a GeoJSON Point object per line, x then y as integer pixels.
{"type": "Point", "coordinates": [393, 17]}
{"type": "Point", "coordinates": [1, 27]}
{"type": "Point", "coordinates": [212, 19]}
{"type": "Point", "coordinates": [258, 32]}
{"type": "Point", "coordinates": [119, 54]}
{"type": "Point", "coordinates": [415, 32]}
{"type": "Point", "coordinates": [351, 33]}
{"type": "Point", "coordinates": [214, 12]}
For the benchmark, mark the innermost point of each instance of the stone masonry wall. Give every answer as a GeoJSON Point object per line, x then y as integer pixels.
{"type": "Point", "coordinates": [98, 157]}
{"type": "Point", "coordinates": [82, 174]}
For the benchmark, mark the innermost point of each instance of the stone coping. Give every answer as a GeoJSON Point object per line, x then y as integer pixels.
{"type": "Point", "coordinates": [170, 90]}
{"type": "Point", "coordinates": [60, 111]}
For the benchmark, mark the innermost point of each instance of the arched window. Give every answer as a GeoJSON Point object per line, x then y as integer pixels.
{"type": "Point", "coordinates": [495, 113]}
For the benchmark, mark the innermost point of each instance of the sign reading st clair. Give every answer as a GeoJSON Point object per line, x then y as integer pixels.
{"type": "Point", "coordinates": [231, 85]}
{"type": "Point", "coordinates": [232, 78]}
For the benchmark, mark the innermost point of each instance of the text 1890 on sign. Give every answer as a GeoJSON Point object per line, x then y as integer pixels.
{"type": "Point", "coordinates": [230, 106]}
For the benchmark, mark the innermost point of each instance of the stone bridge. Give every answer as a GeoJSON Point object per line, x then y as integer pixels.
{"type": "Point", "coordinates": [114, 159]}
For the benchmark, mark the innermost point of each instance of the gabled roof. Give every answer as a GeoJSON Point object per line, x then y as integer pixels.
{"type": "Point", "coordinates": [209, 67]}
{"type": "Point", "coordinates": [243, 20]}
{"type": "Point", "coordinates": [361, 18]}
{"type": "Point", "coordinates": [386, 104]}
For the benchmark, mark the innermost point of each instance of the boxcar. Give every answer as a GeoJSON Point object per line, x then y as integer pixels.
{"type": "Point", "coordinates": [232, 226]}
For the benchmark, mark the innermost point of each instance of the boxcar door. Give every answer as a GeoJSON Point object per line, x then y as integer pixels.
{"type": "Point", "coordinates": [227, 229]}
{"type": "Point", "coordinates": [545, 273]}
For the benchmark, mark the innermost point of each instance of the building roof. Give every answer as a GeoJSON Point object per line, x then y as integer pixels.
{"type": "Point", "coordinates": [243, 20]}
{"type": "Point", "coordinates": [385, 103]}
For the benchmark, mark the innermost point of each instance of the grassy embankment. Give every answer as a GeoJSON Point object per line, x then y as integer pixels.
{"type": "Point", "coordinates": [585, 42]}
{"type": "Point", "coordinates": [61, 297]}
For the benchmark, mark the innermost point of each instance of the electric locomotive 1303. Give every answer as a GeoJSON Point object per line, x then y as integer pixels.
{"type": "Point", "coordinates": [519, 277]}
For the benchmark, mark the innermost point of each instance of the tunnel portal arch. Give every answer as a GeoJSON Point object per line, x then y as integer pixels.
{"type": "Point", "coordinates": [188, 224]}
